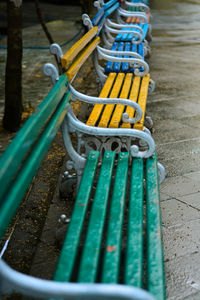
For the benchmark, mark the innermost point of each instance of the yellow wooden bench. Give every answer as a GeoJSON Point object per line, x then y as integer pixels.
{"type": "Point", "coordinates": [120, 85]}
{"type": "Point", "coordinates": [117, 85]}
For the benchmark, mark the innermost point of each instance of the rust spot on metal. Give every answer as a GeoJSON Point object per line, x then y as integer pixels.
{"type": "Point", "coordinates": [111, 248]}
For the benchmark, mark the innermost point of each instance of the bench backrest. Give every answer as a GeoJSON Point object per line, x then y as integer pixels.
{"type": "Point", "coordinates": [22, 158]}
{"type": "Point", "coordinates": [106, 10]}
{"type": "Point", "coordinates": [73, 59]}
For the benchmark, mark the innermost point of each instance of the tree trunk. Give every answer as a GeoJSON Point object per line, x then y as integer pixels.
{"type": "Point", "coordinates": [48, 35]}
{"type": "Point", "coordinates": [40, 18]}
{"type": "Point", "coordinates": [13, 80]}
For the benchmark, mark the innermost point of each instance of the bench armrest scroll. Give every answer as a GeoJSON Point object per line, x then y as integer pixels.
{"type": "Point", "coordinates": [97, 100]}
{"type": "Point", "coordinates": [134, 62]}
{"type": "Point", "coordinates": [124, 53]}
{"type": "Point", "coordinates": [56, 50]}
{"type": "Point", "coordinates": [135, 33]}
{"type": "Point", "coordinates": [12, 280]}
{"type": "Point", "coordinates": [116, 25]}
{"type": "Point", "coordinates": [87, 21]}
{"type": "Point", "coordinates": [125, 13]}
{"type": "Point", "coordinates": [99, 131]}
{"type": "Point", "coordinates": [51, 71]}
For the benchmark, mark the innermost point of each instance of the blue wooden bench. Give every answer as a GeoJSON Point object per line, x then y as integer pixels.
{"type": "Point", "coordinates": [127, 39]}
{"type": "Point", "coordinates": [109, 264]}
{"type": "Point", "coordinates": [135, 27]}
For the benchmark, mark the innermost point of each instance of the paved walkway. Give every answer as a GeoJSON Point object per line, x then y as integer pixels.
{"type": "Point", "coordinates": [175, 108]}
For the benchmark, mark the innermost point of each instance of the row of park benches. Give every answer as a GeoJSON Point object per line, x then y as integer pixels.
{"type": "Point", "coordinates": [113, 244]}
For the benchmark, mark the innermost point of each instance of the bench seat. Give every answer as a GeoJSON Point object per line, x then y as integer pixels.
{"type": "Point", "coordinates": [127, 37]}
{"type": "Point", "coordinates": [106, 240]}
{"type": "Point", "coordinates": [123, 67]}
{"type": "Point", "coordinates": [126, 86]}
{"type": "Point", "coordinates": [136, 20]}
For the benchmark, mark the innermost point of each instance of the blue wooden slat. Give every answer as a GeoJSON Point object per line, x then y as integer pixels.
{"type": "Point", "coordinates": [141, 49]}
{"type": "Point", "coordinates": [125, 35]}
{"type": "Point", "coordinates": [130, 35]}
{"type": "Point", "coordinates": [98, 16]}
{"type": "Point", "coordinates": [101, 23]}
{"type": "Point", "coordinates": [112, 9]}
{"type": "Point", "coordinates": [134, 49]}
{"type": "Point", "coordinates": [109, 4]}
{"type": "Point", "coordinates": [117, 65]}
{"type": "Point", "coordinates": [109, 65]}
{"type": "Point", "coordinates": [145, 28]}
{"type": "Point", "coordinates": [141, 52]}
{"type": "Point", "coordinates": [125, 66]}
{"type": "Point", "coordinates": [118, 38]}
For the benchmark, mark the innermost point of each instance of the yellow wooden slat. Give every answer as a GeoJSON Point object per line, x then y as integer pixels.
{"type": "Point", "coordinates": [142, 100]}
{"type": "Point", "coordinates": [76, 65]}
{"type": "Point", "coordinates": [95, 114]}
{"type": "Point", "coordinates": [133, 96]}
{"type": "Point", "coordinates": [117, 115]}
{"type": "Point", "coordinates": [77, 47]}
{"type": "Point", "coordinates": [109, 107]}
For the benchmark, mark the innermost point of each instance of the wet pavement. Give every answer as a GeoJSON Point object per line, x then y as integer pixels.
{"type": "Point", "coordinates": [175, 109]}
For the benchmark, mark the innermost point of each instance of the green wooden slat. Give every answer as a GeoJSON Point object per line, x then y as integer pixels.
{"type": "Point", "coordinates": [70, 246]}
{"type": "Point", "coordinates": [111, 263]}
{"type": "Point", "coordinates": [92, 248]}
{"type": "Point", "coordinates": [134, 250]}
{"type": "Point", "coordinates": [19, 147]}
{"type": "Point", "coordinates": [155, 261]}
{"type": "Point", "coordinates": [19, 187]}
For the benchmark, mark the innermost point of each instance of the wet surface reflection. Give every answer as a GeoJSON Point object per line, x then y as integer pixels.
{"type": "Point", "coordinates": [176, 21]}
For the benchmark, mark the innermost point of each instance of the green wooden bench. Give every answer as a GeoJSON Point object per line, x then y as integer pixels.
{"type": "Point", "coordinates": [114, 248]}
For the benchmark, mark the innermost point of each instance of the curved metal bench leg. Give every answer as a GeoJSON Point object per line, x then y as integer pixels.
{"type": "Point", "coordinates": [148, 122]}
{"type": "Point", "coordinates": [152, 86]}
{"type": "Point", "coordinates": [161, 172]}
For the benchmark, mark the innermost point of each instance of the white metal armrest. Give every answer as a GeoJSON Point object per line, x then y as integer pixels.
{"type": "Point", "coordinates": [73, 122]}
{"type": "Point", "coordinates": [116, 25]}
{"type": "Point", "coordinates": [126, 13]}
{"type": "Point", "coordinates": [97, 100]}
{"type": "Point", "coordinates": [134, 62]}
{"type": "Point", "coordinates": [51, 71]}
{"type": "Point", "coordinates": [135, 33]}
{"type": "Point", "coordinates": [11, 280]}
{"type": "Point", "coordinates": [127, 53]}
{"type": "Point", "coordinates": [55, 49]}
